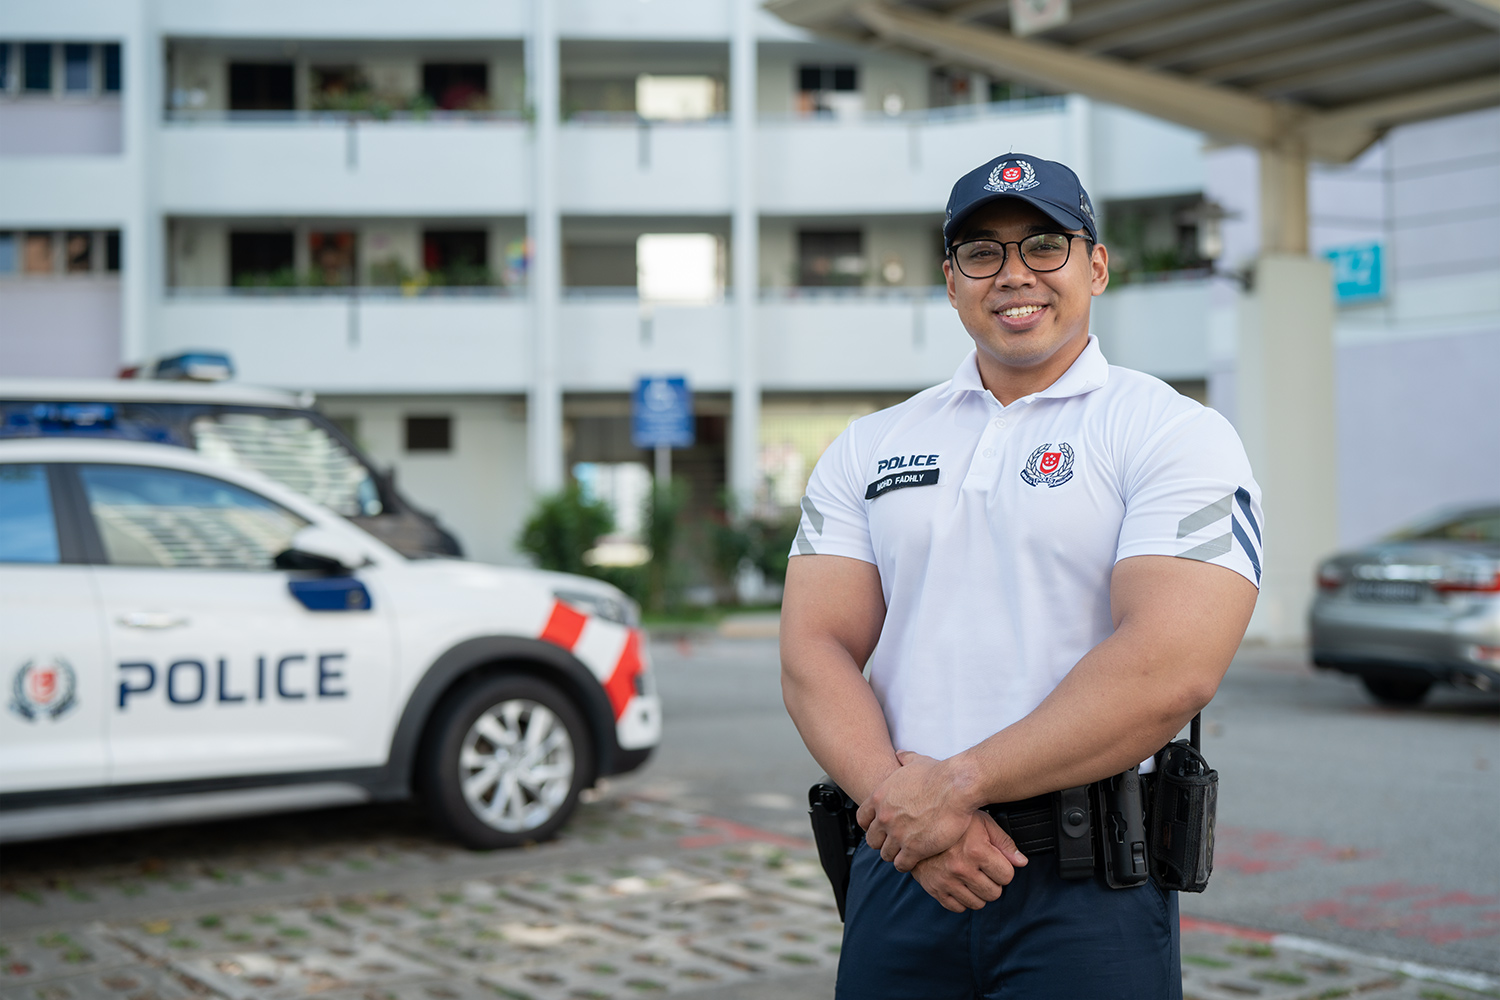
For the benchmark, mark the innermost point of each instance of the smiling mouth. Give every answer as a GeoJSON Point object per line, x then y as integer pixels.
{"type": "Point", "coordinates": [1020, 312]}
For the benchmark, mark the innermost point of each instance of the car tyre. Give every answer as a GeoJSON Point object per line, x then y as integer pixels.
{"type": "Point", "coordinates": [1404, 691]}
{"type": "Point", "coordinates": [505, 760]}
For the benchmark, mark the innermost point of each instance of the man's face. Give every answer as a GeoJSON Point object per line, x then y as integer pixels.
{"type": "Point", "coordinates": [1026, 323]}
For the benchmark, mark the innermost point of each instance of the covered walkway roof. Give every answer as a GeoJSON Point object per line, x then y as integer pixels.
{"type": "Point", "coordinates": [1320, 79]}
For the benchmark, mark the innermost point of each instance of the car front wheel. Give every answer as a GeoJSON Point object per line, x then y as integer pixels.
{"type": "Point", "coordinates": [1397, 690]}
{"type": "Point", "coordinates": [506, 760]}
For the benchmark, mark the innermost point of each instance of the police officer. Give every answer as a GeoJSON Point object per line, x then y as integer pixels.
{"type": "Point", "coordinates": [1045, 565]}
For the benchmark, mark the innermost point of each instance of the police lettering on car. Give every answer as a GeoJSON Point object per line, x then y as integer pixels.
{"type": "Point", "coordinates": [290, 678]}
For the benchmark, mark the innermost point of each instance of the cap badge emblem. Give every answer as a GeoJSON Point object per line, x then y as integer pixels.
{"type": "Point", "coordinates": [1012, 175]}
{"type": "Point", "coordinates": [43, 689]}
{"type": "Point", "coordinates": [1049, 465]}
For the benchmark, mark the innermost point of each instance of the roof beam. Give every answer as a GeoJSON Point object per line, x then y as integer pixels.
{"type": "Point", "coordinates": [1485, 12]}
{"type": "Point", "coordinates": [1209, 108]}
{"type": "Point", "coordinates": [1268, 38]}
{"type": "Point", "coordinates": [1176, 25]}
{"type": "Point", "coordinates": [1434, 52]}
{"type": "Point", "coordinates": [1325, 49]}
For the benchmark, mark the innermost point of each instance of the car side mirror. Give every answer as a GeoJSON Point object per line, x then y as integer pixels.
{"type": "Point", "coordinates": [319, 550]}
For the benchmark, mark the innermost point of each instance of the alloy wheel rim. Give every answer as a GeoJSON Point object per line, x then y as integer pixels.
{"type": "Point", "coordinates": [515, 765]}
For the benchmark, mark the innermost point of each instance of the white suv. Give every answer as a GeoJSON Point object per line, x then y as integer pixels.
{"type": "Point", "coordinates": [182, 640]}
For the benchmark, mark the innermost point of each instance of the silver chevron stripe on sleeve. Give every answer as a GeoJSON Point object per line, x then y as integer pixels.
{"type": "Point", "coordinates": [1199, 519]}
{"type": "Point", "coordinates": [815, 519]}
{"type": "Point", "coordinates": [1208, 550]}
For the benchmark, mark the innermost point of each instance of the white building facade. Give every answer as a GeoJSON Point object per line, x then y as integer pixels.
{"type": "Point", "coordinates": [440, 219]}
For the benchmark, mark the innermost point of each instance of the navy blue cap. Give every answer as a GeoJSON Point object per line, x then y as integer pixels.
{"type": "Point", "coordinates": [1049, 186]}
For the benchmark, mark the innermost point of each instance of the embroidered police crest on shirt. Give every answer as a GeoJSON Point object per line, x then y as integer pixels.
{"type": "Point", "coordinates": [1049, 465]}
{"type": "Point", "coordinates": [43, 689]}
{"type": "Point", "coordinates": [1012, 175]}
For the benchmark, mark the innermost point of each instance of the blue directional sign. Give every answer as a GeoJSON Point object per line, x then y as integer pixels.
{"type": "Point", "coordinates": [661, 413]}
{"type": "Point", "coordinates": [1356, 272]}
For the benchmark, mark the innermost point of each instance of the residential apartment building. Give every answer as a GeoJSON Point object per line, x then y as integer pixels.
{"type": "Point", "coordinates": [470, 227]}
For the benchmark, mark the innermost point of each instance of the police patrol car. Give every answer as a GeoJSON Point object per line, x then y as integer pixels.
{"type": "Point", "coordinates": [188, 402]}
{"type": "Point", "coordinates": [183, 640]}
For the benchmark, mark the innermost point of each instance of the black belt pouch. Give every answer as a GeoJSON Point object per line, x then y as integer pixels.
{"type": "Point", "coordinates": [1183, 804]}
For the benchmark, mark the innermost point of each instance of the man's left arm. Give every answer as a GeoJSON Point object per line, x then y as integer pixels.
{"type": "Point", "coordinates": [1177, 623]}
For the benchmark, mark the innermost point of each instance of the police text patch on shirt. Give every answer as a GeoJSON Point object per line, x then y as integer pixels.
{"type": "Point", "coordinates": [901, 480]}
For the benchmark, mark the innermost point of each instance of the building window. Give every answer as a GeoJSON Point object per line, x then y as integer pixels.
{"type": "Point", "coordinates": [332, 258]}
{"type": "Point", "coordinates": [429, 433]}
{"type": "Point", "coordinates": [457, 256]}
{"type": "Point", "coordinates": [4, 67]}
{"type": "Point", "coordinates": [36, 68]}
{"type": "Point", "coordinates": [7, 253]}
{"type": "Point", "coordinates": [78, 251]}
{"type": "Point", "coordinates": [457, 86]}
{"type": "Point", "coordinates": [829, 90]}
{"type": "Point", "coordinates": [262, 86]}
{"type": "Point", "coordinates": [265, 258]}
{"type": "Point", "coordinates": [111, 60]}
{"type": "Point", "coordinates": [78, 68]}
{"type": "Point", "coordinates": [112, 251]}
{"type": "Point", "coordinates": [830, 257]}
{"type": "Point", "coordinates": [36, 254]}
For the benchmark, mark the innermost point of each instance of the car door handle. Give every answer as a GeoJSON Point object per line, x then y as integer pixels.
{"type": "Point", "coordinates": [151, 619]}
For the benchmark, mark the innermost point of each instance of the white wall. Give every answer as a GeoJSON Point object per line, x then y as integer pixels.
{"type": "Point", "coordinates": [398, 168]}
{"type": "Point", "coordinates": [478, 490]}
{"type": "Point", "coordinates": [339, 344]}
{"type": "Point", "coordinates": [59, 327]}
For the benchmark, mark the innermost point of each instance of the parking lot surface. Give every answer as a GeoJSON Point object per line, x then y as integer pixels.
{"type": "Point", "coordinates": [696, 877]}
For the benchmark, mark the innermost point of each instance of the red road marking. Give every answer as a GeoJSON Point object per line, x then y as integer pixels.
{"type": "Point", "coordinates": [728, 831]}
{"type": "Point", "coordinates": [1193, 924]}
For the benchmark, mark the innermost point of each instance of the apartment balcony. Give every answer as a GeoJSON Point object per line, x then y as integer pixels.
{"type": "Point", "coordinates": [478, 341]}
{"type": "Point", "coordinates": [904, 163]}
{"type": "Point", "coordinates": [1160, 327]}
{"type": "Point", "coordinates": [370, 342]}
{"type": "Point", "coordinates": [630, 167]}
{"type": "Point", "coordinates": [296, 163]}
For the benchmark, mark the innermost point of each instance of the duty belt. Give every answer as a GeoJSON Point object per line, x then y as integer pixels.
{"type": "Point", "coordinates": [1031, 823]}
{"type": "Point", "coordinates": [1058, 821]}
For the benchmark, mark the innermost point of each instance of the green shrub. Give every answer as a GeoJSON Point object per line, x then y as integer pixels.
{"type": "Point", "coordinates": [562, 527]}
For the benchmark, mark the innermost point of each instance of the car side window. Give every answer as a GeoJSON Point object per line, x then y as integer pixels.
{"type": "Point", "coordinates": [295, 452]}
{"type": "Point", "coordinates": [181, 520]}
{"type": "Point", "coordinates": [28, 531]}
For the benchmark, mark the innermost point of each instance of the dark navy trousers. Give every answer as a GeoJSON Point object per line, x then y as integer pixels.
{"type": "Point", "coordinates": [1045, 938]}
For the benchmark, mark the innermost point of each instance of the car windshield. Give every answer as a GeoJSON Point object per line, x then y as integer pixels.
{"type": "Point", "coordinates": [295, 452]}
{"type": "Point", "coordinates": [1471, 526]}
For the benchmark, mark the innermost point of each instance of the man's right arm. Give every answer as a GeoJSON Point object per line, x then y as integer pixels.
{"type": "Point", "coordinates": [832, 613]}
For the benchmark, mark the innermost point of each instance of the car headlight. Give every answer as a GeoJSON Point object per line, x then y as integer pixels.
{"type": "Point", "coordinates": [620, 610]}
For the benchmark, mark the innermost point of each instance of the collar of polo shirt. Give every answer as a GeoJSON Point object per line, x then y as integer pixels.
{"type": "Point", "coordinates": [1088, 372]}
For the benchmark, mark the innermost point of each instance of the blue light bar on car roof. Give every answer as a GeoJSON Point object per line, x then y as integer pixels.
{"type": "Point", "coordinates": [194, 366]}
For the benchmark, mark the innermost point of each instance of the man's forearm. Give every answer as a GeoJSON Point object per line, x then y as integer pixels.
{"type": "Point", "coordinates": [838, 716]}
{"type": "Point", "coordinates": [1120, 704]}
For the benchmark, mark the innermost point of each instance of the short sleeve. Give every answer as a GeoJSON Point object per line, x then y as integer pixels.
{"type": "Point", "coordinates": [835, 520]}
{"type": "Point", "coordinates": [1189, 493]}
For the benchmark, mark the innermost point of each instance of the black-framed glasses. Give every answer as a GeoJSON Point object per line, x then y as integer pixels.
{"type": "Point", "coordinates": [1041, 252]}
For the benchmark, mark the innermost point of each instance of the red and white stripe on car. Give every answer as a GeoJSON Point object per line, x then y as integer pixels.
{"type": "Point", "coordinates": [616, 655]}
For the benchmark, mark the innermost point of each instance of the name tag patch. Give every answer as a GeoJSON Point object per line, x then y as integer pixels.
{"type": "Point", "coordinates": [901, 480]}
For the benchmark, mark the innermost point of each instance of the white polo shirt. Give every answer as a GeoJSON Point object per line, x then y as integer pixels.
{"type": "Point", "coordinates": [995, 529]}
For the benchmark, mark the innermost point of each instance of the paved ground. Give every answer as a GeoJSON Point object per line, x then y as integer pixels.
{"type": "Point", "coordinates": [695, 876]}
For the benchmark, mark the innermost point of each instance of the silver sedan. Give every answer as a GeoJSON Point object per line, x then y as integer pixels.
{"type": "Point", "coordinates": [1419, 608]}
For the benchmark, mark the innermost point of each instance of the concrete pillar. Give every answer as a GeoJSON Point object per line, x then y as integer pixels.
{"type": "Point", "coordinates": [544, 423]}
{"type": "Point", "coordinates": [744, 424]}
{"type": "Point", "coordinates": [142, 236]}
{"type": "Point", "coordinates": [1285, 390]}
